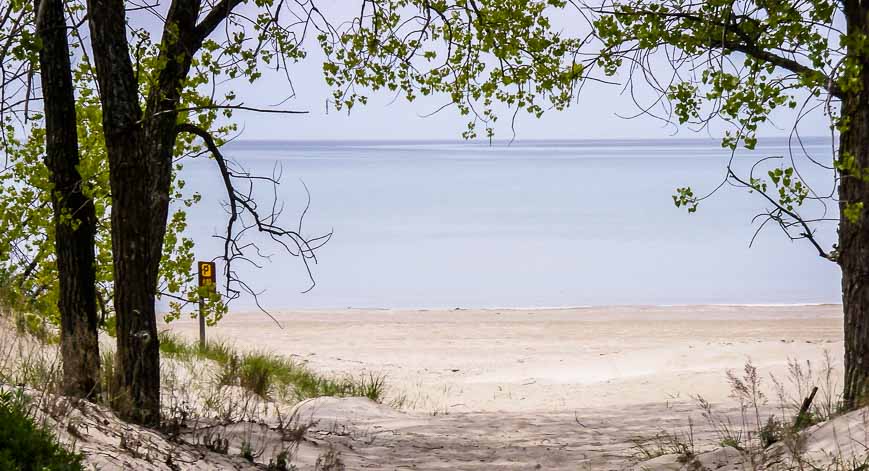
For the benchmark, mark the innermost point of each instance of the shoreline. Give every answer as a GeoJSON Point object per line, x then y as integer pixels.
{"type": "Point", "coordinates": [535, 308]}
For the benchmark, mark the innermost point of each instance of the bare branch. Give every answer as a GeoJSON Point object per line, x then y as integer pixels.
{"type": "Point", "coordinates": [240, 203]}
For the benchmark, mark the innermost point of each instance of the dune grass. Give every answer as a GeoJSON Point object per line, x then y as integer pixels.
{"type": "Point", "coordinates": [265, 373]}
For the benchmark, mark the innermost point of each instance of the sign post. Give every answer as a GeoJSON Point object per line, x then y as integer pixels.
{"type": "Point", "coordinates": [207, 277]}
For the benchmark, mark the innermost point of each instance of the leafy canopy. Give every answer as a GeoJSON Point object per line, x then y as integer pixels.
{"type": "Point", "coordinates": [737, 62]}
{"type": "Point", "coordinates": [247, 45]}
{"type": "Point", "coordinates": [476, 53]}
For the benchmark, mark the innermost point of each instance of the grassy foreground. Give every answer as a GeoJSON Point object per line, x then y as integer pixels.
{"type": "Point", "coordinates": [214, 399]}
{"type": "Point", "coordinates": [265, 373]}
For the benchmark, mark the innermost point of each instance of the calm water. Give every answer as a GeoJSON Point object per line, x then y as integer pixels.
{"type": "Point", "coordinates": [430, 224]}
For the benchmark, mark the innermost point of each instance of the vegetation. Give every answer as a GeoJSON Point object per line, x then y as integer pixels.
{"type": "Point", "coordinates": [197, 404]}
{"type": "Point", "coordinates": [100, 160]}
{"type": "Point", "coordinates": [476, 54]}
{"type": "Point", "coordinates": [72, 218]}
{"type": "Point", "coordinates": [25, 446]}
{"type": "Point", "coordinates": [762, 435]}
{"type": "Point", "coordinates": [665, 443]}
{"type": "Point", "coordinates": [265, 374]}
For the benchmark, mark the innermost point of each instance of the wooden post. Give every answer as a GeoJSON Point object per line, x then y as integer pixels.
{"type": "Point", "coordinates": [206, 279]}
{"type": "Point", "coordinates": [201, 323]}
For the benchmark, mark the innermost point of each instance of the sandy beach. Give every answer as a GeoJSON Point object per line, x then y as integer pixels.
{"type": "Point", "coordinates": [527, 360]}
{"type": "Point", "coordinates": [518, 389]}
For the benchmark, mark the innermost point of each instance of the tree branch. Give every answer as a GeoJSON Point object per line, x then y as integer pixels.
{"type": "Point", "coordinates": [745, 46]}
{"type": "Point", "coordinates": [223, 107]}
{"type": "Point", "coordinates": [238, 203]}
{"type": "Point", "coordinates": [213, 19]}
{"type": "Point", "coordinates": [807, 232]}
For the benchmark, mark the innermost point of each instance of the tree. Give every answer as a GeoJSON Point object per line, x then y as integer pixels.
{"type": "Point", "coordinates": [746, 58]}
{"type": "Point", "coordinates": [139, 108]}
{"type": "Point", "coordinates": [74, 213]}
{"type": "Point", "coordinates": [27, 253]}
{"type": "Point", "coordinates": [58, 261]}
{"type": "Point", "coordinates": [34, 39]}
{"type": "Point", "coordinates": [141, 139]}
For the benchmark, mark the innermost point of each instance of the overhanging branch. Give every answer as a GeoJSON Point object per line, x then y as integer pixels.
{"type": "Point", "coordinates": [242, 202]}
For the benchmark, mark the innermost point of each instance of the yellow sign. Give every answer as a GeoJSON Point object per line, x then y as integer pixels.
{"type": "Point", "coordinates": [207, 273]}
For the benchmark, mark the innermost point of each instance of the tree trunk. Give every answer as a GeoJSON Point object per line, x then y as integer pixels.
{"type": "Point", "coordinates": [138, 354]}
{"type": "Point", "coordinates": [140, 151]}
{"type": "Point", "coordinates": [134, 207]}
{"type": "Point", "coordinates": [854, 236]}
{"type": "Point", "coordinates": [74, 239]}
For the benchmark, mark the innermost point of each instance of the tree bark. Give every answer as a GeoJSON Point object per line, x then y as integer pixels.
{"type": "Point", "coordinates": [140, 150]}
{"type": "Point", "coordinates": [854, 236]}
{"type": "Point", "coordinates": [134, 207]}
{"type": "Point", "coordinates": [74, 214]}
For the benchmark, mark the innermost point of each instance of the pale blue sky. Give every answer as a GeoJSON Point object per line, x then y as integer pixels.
{"type": "Point", "coordinates": [594, 115]}
{"type": "Point", "coordinates": [387, 117]}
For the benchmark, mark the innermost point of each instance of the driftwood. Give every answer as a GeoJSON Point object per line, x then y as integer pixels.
{"type": "Point", "coordinates": [804, 409]}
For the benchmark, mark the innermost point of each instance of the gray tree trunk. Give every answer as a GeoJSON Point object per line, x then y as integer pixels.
{"type": "Point", "coordinates": [854, 237]}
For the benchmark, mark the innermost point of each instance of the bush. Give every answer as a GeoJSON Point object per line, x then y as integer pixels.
{"type": "Point", "coordinates": [25, 446]}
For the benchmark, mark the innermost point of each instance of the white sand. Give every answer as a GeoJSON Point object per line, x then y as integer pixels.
{"type": "Point", "coordinates": [523, 389]}
{"type": "Point", "coordinates": [552, 360]}
{"type": "Point", "coordinates": [500, 390]}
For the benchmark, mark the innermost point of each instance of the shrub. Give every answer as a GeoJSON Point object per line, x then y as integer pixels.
{"type": "Point", "coordinates": [26, 446]}
{"type": "Point", "coordinates": [229, 372]}
{"type": "Point", "coordinates": [216, 350]}
{"type": "Point", "coordinates": [247, 451]}
{"type": "Point", "coordinates": [772, 432]}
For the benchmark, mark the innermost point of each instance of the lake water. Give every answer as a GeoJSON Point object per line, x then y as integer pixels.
{"type": "Point", "coordinates": [532, 224]}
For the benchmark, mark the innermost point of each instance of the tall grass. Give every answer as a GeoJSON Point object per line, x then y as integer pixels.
{"type": "Point", "coordinates": [801, 378]}
{"type": "Point", "coordinates": [266, 374]}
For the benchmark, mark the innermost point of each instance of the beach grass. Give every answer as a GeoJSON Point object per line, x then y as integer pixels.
{"type": "Point", "coordinates": [264, 373]}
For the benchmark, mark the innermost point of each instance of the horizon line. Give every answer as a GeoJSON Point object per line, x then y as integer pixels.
{"type": "Point", "coordinates": [241, 140]}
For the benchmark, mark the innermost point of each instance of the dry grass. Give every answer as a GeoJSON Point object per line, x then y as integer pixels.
{"type": "Point", "coordinates": [665, 443]}
{"type": "Point", "coordinates": [766, 437]}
